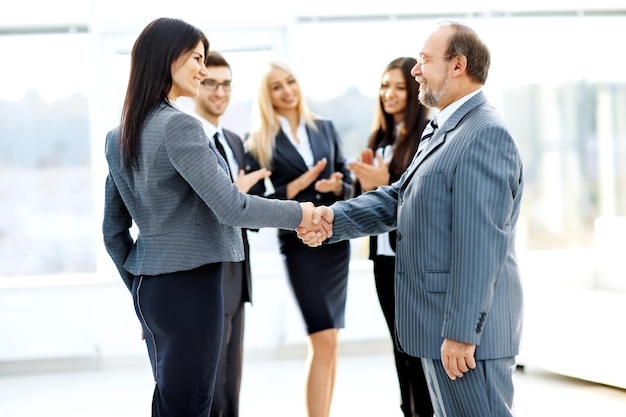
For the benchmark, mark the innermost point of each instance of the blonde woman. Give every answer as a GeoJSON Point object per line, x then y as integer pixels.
{"type": "Point", "coordinates": [303, 153]}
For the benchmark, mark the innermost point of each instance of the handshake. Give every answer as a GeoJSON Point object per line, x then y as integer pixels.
{"type": "Point", "coordinates": [316, 225]}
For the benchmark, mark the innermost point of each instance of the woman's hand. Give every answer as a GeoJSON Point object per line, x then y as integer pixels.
{"type": "Point", "coordinates": [369, 175]}
{"type": "Point", "coordinates": [334, 184]}
{"type": "Point", "coordinates": [246, 181]}
{"type": "Point", "coordinates": [306, 179]}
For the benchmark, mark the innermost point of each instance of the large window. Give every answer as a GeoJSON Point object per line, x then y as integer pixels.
{"type": "Point", "coordinates": [46, 214]}
{"type": "Point", "coordinates": [562, 96]}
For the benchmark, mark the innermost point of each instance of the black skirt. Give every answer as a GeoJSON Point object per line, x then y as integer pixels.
{"type": "Point", "coordinates": [319, 280]}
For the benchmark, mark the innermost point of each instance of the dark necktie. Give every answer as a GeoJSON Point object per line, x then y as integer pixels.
{"type": "Point", "coordinates": [222, 152]}
{"type": "Point", "coordinates": [429, 131]}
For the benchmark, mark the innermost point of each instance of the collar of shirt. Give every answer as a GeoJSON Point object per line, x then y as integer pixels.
{"type": "Point", "coordinates": [451, 108]}
{"type": "Point", "coordinates": [396, 130]}
{"type": "Point", "coordinates": [210, 131]}
{"type": "Point", "coordinates": [230, 155]}
{"type": "Point", "coordinates": [303, 147]}
{"type": "Point", "coordinates": [220, 131]}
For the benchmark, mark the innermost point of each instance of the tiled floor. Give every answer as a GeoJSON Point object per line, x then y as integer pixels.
{"type": "Point", "coordinates": [365, 386]}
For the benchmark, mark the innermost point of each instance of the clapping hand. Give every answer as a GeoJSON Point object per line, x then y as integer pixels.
{"type": "Point", "coordinates": [245, 181]}
{"type": "Point", "coordinates": [321, 227]}
{"type": "Point", "coordinates": [306, 179]}
{"type": "Point", "coordinates": [334, 184]}
{"type": "Point", "coordinates": [369, 175]}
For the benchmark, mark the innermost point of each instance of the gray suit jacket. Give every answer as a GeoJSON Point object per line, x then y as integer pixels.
{"type": "Point", "coordinates": [455, 209]}
{"type": "Point", "coordinates": [187, 210]}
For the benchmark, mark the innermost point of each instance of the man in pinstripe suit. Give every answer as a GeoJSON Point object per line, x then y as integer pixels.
{"type": "Point", "coordinates": [458, 290]}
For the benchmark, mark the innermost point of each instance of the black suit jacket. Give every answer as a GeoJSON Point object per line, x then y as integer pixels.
{"type": "Point", "coordinates": [393, 177]}
{"type": "Point", "coordinates": [287, 165]}
{"type": "Point", "coordinates": [237, 275]}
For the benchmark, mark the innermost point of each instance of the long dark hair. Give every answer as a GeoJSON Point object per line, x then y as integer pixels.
{"type": "Point", "coordinates": [415, 119]}
{"type": "Point", "coordinates": [158, 46]}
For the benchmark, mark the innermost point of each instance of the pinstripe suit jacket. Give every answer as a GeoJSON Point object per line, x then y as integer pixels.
{"type": "Point", "coordinates": [455, 209]}
{"type": "Point", "coordinates": [187, 209]}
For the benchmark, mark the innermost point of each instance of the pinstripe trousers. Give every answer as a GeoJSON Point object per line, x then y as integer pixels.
{"type": "Point", "coordinates": [486, 391]}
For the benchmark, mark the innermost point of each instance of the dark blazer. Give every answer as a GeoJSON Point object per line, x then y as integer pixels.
{"type": "Point", "coordinates": [325, 143]}
{"type": "Point", "coordinates": [455, 209]}
{"type": "Point", "coordinates": [186, 208]}
{"type": "Point", "coordinates": [393, 177]}
{"type": "Point", "coordinates": [239, 288]}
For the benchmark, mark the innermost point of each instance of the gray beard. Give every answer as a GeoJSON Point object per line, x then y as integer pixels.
{"type": "Point", "coordinates": [429, 97]}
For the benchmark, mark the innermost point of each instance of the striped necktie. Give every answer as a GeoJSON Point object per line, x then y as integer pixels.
{"type": "Point", "coordinates": [429, 131]}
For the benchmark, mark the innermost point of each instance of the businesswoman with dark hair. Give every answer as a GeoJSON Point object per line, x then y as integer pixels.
{"type": "Point", "coordinates": [167, 178]}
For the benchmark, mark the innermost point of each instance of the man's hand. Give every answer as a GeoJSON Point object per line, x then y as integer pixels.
{"type": "Point", "coordinates": [246, 181]}
{"type": "Point", "coordinates": [457, 358]}
{"type": "Point", "coordinates": [311, 220]}
{"type": "Point", "coordinates": [323, 228]}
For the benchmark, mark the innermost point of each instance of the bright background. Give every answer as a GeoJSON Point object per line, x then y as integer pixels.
{"type": "Point", "coordinates": [557, 77]}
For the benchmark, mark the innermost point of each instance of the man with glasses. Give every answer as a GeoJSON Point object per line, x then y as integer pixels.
{"type": "Point", "coordinates": [209, 106]}
{"type": "Point", "coordinates": [458, 289]}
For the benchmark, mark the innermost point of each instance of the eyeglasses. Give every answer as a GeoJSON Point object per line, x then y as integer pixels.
{"type": "Point", "coordinates": [214, 85]}
{"type": "Point", "coordinates": [422, 60]}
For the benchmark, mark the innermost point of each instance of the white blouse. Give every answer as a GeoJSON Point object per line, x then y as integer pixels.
{"type": "Point", "coordinates": [303, 146]}
{"type": "Point", "coordinates": [383, 247]}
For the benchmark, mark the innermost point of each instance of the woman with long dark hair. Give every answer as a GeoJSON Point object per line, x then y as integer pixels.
{"type": "Point", "coordinates": [166, 177]}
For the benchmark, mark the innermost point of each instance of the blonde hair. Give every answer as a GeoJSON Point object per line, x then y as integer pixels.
{"type": "Point", "coordinates": [265, 124]}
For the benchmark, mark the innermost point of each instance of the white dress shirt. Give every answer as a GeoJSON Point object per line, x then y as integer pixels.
{"type": "Point", "coordinates": [210, 131]}
{"type": "Point", "coordinates": [451, 108]}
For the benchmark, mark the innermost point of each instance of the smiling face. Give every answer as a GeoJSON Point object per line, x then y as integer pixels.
{"type": "Point", "coordinates": [214, 93]}
{"type": "Point", "coordinates": [393, 93]}
{"type": "Point", "coordinates": [432, 92]}
{"type": "Point", "coordinates": [433, 70]}
{"type": "Point", "coordinates": [187, 73]}
{"type": "Point", "coordinates": [284, 90]}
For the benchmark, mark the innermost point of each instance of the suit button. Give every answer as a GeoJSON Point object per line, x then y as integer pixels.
{"type": "Point", "coordinates": [400, 200]}
{"type": "Point", "coordinates": [318, 197]}
{"type": "Point", "coordinates": [399, 236]}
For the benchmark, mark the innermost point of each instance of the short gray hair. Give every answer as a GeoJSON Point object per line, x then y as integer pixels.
{"type": "Point", "coordinates": [465, 42]}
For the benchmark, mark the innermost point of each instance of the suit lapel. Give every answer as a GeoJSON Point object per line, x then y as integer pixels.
{"type": "Point", "coordinates": [236, 146]}
{"type": "Point", "coordinates": [317, 141]}
{"type": "Point", "coordinates": [462, 111]}
{"type": "Point", "coordinates": [286, 151]}
{"type": "Point", "coordinates": [439, 137]}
